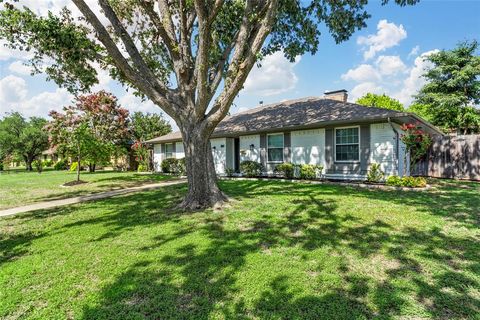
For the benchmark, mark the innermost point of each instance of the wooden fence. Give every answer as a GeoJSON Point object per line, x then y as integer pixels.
{"type": "Point", "coordinates": [455, 157]}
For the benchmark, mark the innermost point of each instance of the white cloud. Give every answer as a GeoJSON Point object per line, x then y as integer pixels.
{"type": "Point", "coordinates": [12, 89]}
{"type": "Point", "coordinates": [388, 35]}
{"type": "Point", "coordinates": [19, 68]}
{"type": "Point", "coordinates": [415, 80]}
{"type": "Point", "coordinates": [390, 65]}
{"type": "Point", "coordinates": [275, 76]}
{"type": "Point", "coordinates": [414, 52]}
{"type": "Point", "coordinates": [363, 88]}
{"type": "Point", "coordinates": [364, 72]}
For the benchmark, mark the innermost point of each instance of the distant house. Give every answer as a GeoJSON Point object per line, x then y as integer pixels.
{"type": "Point", "coordinates": [51, 154]}
{"type": "Point", "coordinates": [345, 138]}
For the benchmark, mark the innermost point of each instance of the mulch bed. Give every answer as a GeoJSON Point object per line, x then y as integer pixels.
{"type": "Point", "coordinates": [73, 183]}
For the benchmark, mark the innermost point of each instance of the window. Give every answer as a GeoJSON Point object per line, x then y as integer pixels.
{"type": "Point", "coordinates": [347, 146]}
{"type": "Point", "coordinates": [275, 147]}
{"type": "Point", "coordinates": [168, 150]}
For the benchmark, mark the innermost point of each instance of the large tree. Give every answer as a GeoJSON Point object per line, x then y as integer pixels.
{"type": "Point", "coordinates": [380, 101]}
{"type": "Point", "coordinates": [146, 126]}
{"type": "Point", "coordinates": [23, 138]}
{"type": "Point", "coordinates": [452, 91]}
{"type": "Point", "coordinates": [190, 57]}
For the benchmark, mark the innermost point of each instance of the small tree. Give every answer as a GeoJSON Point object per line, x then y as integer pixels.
{"type": "Point", "coordinates": [416, 143]}
{"type": "Point", "coordinates": [90, 130]}
{"type": "Point", "coordinates": [23, 138]}
{"type": "Point", "coordinates": [146, 126]}
{"type": "Point", "coordinates": [380, 101]}
{"type": "Point", "coordinates": [141, 154]}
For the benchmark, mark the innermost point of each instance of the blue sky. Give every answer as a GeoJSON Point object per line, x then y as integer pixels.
{"type": "Point", "coordinates": [387, 56]}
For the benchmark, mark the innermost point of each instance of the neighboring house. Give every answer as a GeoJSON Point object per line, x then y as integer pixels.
{"type": "Point", "coordinates": [344, 138]}
{"type": "Point", "coordinates": [50, 154]}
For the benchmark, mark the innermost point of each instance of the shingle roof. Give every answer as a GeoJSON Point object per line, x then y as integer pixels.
{"type": "Point", "coordinates": [306, 112]}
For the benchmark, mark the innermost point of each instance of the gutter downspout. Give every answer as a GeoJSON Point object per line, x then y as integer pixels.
{"type": "Point", "coordinates": [397, 144]}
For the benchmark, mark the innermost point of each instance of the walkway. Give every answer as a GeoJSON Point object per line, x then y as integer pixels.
{"type": "Point", "coordinates": [96, 196]}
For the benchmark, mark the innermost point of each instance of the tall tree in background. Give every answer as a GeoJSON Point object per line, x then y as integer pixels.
{"type": "Point", "coordinates": [380, 101]}
{"type": "Point", "coordinates": [452, 92]}
{"type": "Point", "coordinates": [91, 129]}
{"type": "Point", "coordinates": [26, 139]}
{"type": "Point", "coordinates": [146, 126]}
{"type": "Point", "coordinates": [207, 47]}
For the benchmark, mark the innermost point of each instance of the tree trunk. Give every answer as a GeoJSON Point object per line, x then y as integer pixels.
{"type": "Point", "coordinates": [91, 167]}
{"type": "Point", "coordinates": [203, 191]}
{"type": "Point", "coordinates": [78, 167]}
{"type": "Point", "coordinates": [28, 163]}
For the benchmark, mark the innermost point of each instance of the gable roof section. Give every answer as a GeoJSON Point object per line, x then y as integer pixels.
{"type": "Point", "coordinates": [293, 114]}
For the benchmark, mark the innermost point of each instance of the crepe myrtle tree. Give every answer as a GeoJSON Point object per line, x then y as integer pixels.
{"type": "Point", "coordinates": [189, 57]}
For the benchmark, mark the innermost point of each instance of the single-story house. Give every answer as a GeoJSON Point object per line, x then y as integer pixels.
{"type": "Point", "coordinates": [344, 138]}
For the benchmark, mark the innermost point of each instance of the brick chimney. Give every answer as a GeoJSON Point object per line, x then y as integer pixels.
{"type": "Point", "coordinates": [339, 95]}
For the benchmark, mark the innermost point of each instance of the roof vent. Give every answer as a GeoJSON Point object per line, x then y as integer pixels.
{"type": "Point", "coordinates": [338, 95]}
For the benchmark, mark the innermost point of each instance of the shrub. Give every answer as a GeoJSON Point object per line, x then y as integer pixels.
{"type": "Point", "coordinates": [286, 169]}
{"type": "Point", "coordinates": [73, 166]}
{"type": "Point", "coordinates": [142, 168]}
{"type": "Point", "coordinates": [250, 168]}
{"type": "Point", "coordinates": [310, 171]}
{"type": "Point", "coordinates": [229, 172]}
{"type": "Point", "coordinates": [38, 164]}
{"type": "Point", "coordinates": [61, 165]}
{"type": "Point", "coordinates": [411, 182]}
{"type": "Point", "coordinates": [172, 165]}
{"type": "Point", "coordinates": [47, 163]}
{"type": "Point", "coordinates": [375, 174]}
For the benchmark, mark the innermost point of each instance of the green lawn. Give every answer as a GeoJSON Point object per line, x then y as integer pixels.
{"type": "Point", "coordinates": [280, 251]}
{"type": "Point", "coordinates": [19, 187]}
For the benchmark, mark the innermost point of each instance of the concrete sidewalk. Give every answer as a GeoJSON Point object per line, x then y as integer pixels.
{"type": "Point", "coordinates": [96, 196]}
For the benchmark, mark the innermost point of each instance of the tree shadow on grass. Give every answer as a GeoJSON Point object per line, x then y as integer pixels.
{"type": "Point", "coordinates": [200, 282]}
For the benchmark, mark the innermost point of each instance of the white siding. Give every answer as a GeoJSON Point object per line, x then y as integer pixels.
{"type": "Point", "coordinates": [219, 147]}
{"type": "Point", "coordinates": [308, 147]}
{"type": "Point", "coordinates": [383, 147]}
{"type": "Point", "coordinates": [157, 157]}
{"type": "Point", "coordinates": [245, 152]}
{"type": "Point", "coordinates": [179, 152]}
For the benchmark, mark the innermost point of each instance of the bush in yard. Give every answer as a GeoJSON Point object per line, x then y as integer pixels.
{"type": "Point", "coordinates": [287, 169]}
{"type": "Point", "coordinates": [250, 168]}
{"type": "Point", "coordinates": [48, 163]}
{"type": "Point", "coordinates": [181, 167]}
{"type": "Point", "coordinates": [375, 174]}
{"type": "Point", "coordinates": [411, 182]}
{"type": "Point", "coordinates": [38, 165]}
{"type": "Point", "coordinates": [168, 165]}
{"type": "Point", "coordinates": [142, 168]}
{"type": "Point", "coordinates": [74, 165]}
{"type": "Point", "coordinates": [61, 165]}
{"type": "Point", "coordinates": [310, 171]}
{"type": "Point", "coordinates": [229, 172]}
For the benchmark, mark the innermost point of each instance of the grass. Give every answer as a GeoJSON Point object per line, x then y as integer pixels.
{"type": "Point", "coordinates": [19, 187]}
{"type": "Point", "coordinates": [280, 251]}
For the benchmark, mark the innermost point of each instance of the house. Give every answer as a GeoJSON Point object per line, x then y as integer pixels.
{"type": "Point", "coordinates": [344, 138]}
{"type": "Point", "coordinates": [51, 155]}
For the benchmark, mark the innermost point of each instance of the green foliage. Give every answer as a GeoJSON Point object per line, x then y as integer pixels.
{"type": "Point", "coordinates": [251, 168]}
{"type": "Point", "coordinates": [410, 182]}
{"type": "Point", "coordinates": [175, 166]}
{"type": "Point", "coordinates": [142, 168]}
{"type": "Point", "coordinates": [146, 126]}
{"type": "Point", "coordinates": [380, 101]}
{"type": "Point", "coordinates": [22, 138]}
{"type": "Point", "coordinates": [287, 169]}
{"type": "Point", "coordinates": [421, 110]}
{"type": "Point", "coordinates": [229, 172]}
{"type": "Point", "coordinates": [375, 173]}
{"type": "Point", "coordinates": [61, 165]}
{"type": "Point", "coordinates": [310, 171]}
{"type": "Point", "coordinates": [38, 164]}
{"type": "Point", "coordinates": [453, 88]}
{"type": "Point", "coordinates": [48, 163]}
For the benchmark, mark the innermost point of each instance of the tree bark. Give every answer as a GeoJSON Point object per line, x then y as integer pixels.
{"type": "Point", "coordinates": [28, 163]}
{"type": "Point", "coordinates": [78, 167]}
{"type": "Point", "coordinates": [203, 190]}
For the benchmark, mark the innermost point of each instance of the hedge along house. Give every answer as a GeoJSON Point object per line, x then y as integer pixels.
{"type": "Point", "coordinates": [344, 138]}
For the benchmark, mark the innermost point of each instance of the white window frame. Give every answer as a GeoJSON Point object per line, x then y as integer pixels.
{"type": "Point", "coordinates": [173, 153]}
{"type": "Point", "coordinates": [283, 146]}
{"type": "Point", "coordinates": [342, 144]}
